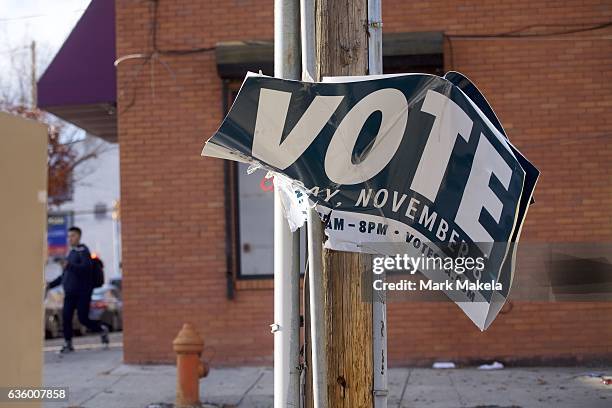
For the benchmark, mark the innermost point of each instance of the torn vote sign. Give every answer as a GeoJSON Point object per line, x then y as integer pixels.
{"type": "Point", "coordinates": [414, 163]}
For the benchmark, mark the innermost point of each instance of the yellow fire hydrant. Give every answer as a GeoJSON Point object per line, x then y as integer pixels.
{"type": "Point", "coordinates": [188, 346]}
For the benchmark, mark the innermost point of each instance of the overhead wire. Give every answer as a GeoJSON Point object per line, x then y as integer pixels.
{"type": "Point", "coordinates": [521, 34]}
{"type": "Point", "coordinates": [154, 55]}
{"type": "Point", "coordinates": [20, 18]}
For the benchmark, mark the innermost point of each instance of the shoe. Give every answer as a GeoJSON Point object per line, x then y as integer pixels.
{"type": "Point", "coordinates": [104, 336]}
{"type": "Point", "coordinates": [67, 348]}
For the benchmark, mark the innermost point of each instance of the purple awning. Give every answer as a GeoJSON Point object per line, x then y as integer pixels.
{"type": "Point", "coordinates": [80, 83]}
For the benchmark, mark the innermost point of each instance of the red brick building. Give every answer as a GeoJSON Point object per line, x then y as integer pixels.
{"type": "Point", "coordinates": [185, 235]}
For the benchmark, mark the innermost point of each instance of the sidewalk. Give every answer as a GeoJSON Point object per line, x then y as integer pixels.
{"type": "Point", "coordinates": [97, 379]}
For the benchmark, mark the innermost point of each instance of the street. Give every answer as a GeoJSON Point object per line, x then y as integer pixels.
{"type": "Point", "coordinates": [97, 378]}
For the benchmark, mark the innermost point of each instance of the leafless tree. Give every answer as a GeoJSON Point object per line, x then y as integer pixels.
{"type": "Point", "coordinates": [69, 148]}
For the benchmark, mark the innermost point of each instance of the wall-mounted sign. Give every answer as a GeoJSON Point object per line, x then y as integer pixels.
{"type": "Point", "coordinates": [393, 159]}
{"type": "Point", "coordinates": [57, 234]}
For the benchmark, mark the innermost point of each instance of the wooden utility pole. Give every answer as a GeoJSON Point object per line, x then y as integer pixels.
{"type": "Point", "coordinates": [342, 49]}
{"type": "Point", "coordinates": [33, 89]}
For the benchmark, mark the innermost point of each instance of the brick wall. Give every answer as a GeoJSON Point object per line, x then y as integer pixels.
{"type": "Point", "coordinates": [553, 95]}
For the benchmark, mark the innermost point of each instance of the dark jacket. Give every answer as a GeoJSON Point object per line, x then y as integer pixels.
{"type": "Point", "coordinates": [78, 273]}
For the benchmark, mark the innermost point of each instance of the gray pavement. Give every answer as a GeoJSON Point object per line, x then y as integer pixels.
{"type": "Point", "coordinates": [97, 378]}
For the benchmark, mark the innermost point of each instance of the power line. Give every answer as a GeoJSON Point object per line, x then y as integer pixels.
{"type": "Point", "coordinates": [154, 55]}
{"type": "Point", "coordinates": [153, 39]}
{"type": "Point", "coordinates": [520, 33]}
{"type": "Point", "coordinates": [9, 19]}
{"type": "Point", "coordinates": [15, 50]}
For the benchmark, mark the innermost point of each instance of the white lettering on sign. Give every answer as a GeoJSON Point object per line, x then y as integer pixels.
{"type": "Point", "coordinates": [477, 194]}
{"type": "Point", "coordinates": [270, 122]}
{"type": "Point", "coordinates": [338, 161]}
{"type": "Point", "coordinates": [450, 121]}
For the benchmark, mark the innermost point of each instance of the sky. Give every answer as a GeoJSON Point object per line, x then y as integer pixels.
{"type": "Point", "coordinates": [48, 22]}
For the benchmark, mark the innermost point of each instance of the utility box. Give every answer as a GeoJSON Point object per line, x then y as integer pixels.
{"type": "Point", "coordinates": [23, 205]}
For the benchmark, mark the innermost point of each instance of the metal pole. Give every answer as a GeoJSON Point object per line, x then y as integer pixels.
{"type": "Point", "coordinates": [317, 316]}
{"type": "Point", "coordinates": [379, 306]}
{"type": "Point", "coordinates": [307, 24]}
{"type": "Point", "coordinates": [315, 234]}
{"type": "Point", "coordinates": [375, 60]}
{"type": "Point", "coordinates": [286, 327]}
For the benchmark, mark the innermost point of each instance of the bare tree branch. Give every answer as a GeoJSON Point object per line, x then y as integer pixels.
{"type": "Point", "coordinates": [66, 151]}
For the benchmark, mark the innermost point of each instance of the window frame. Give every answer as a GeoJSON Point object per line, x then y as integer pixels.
{"type": "Point", "coordinates": [233, 241]}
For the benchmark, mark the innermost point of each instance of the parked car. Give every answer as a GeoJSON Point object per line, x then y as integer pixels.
{"type": "Point", "coordinates": [54, 304]}
{"type": "Point", "coordinates": [106, 306]}
{"type": "Point", "coordinates": [116, 282]}
{"type": "Point", "coordinates": [53, 314]}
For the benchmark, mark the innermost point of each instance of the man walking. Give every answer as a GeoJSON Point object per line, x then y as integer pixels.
{"type": "Point", "coordinates": [77, 279]}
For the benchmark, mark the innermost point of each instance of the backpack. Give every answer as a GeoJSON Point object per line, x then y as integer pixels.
{"type": "Point", "coordinates": [97, 272]}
